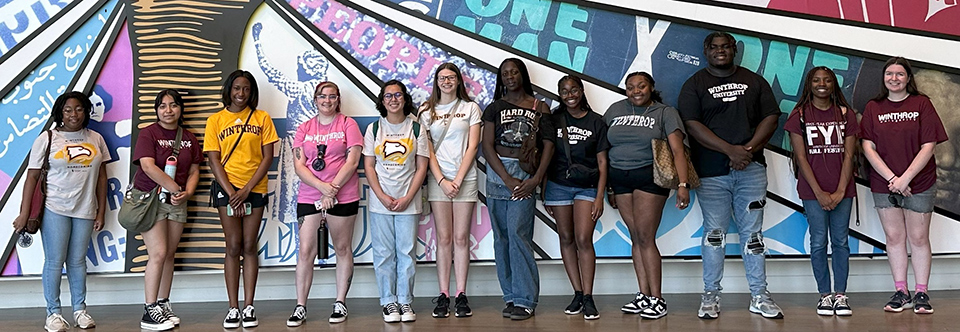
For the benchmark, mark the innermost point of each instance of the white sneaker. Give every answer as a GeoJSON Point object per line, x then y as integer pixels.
{"type": "Point", "coordinates": [56, 323]}
{"type": "Point", "coordinates": [709, 305]}
{"type": "Point", "coordinates": [391, 313]}
{"type": "Point", "coordinates": [83, 319]}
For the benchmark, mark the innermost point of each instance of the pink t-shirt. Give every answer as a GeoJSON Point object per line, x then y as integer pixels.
{"type": "Point", "coordinates": [338, 136]}
{"type": "Point", "coordinates": [824, 132]}
{"type": "Point", "coordinates": [898, 129]}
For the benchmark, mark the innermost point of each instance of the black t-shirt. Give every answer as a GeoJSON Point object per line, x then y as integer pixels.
{"type": "Point", "coordinates": [512, 123]}
{"type": "Point", "coordinates": [587, 137]}
{"type": "Point", "coordinates": [732, 107]}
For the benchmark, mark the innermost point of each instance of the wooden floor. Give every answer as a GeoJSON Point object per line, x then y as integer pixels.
{"type": "Point", "coordinates": [365, 316]}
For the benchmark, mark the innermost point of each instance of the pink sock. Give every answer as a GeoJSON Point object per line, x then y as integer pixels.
{"type": "Point", "coordinates": [921, 288]}
{"type": "Point", "coordinates": [445, 293]}
{"type": "Point", "coordinates": [461, 291]}
{"type": "Point", "coordinates": [901, 285]}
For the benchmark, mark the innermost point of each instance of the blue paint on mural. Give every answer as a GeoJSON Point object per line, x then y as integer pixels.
{"type": "Point", "coordinates": [22, 18]}
{"type": "Point", "coordinates": [27, 107]}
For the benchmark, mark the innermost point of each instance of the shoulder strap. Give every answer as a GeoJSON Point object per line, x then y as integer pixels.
{"type": "Point", "coordinates": [46, 153]}
{"type": "Point", "coordinates": [376, 127]}
{"type": "Point", "coordinates": [176, 143]}
{"type": "Point", "coordinates": [565, 138]}
{"type": "Point", "coordinates": [443, 134]}
{"type": "Point", "coordinates": [416, 129]}
{"type": "Point", "coordinates": [242, 131]}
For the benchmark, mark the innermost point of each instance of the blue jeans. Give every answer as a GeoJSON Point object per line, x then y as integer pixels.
{"type": "Point", "coordinates": [394, 240]}
{"type": "Point", "coordinates": [739, 195]}
{"type": "Point", "coordinates": [512, 222]}
{"type": "Point", "coordinates": [837, 222]}
{"type": "Point", "coordinates": [65, 240]}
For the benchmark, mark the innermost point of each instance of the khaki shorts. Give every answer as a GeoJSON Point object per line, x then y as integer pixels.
{"type": "Point", "coordinates": [176, 213]}
{"type": "Point", "coordinates": [468, 191]}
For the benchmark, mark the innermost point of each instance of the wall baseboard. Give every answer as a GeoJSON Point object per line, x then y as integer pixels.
{"type": "Point", "coordinates": [614, 276]}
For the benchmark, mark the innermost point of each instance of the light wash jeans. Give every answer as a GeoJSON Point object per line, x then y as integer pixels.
{"type": "Point", "coordinates": [740, 196]}
{"type": "Point", "coordinates": [512, 222]}
{"type": "Point", "coordinates": [394, 260]}
{"type": "Point", "coordinates": [837, 222]}
{"type": "Point", "coordinates": [65, 240]}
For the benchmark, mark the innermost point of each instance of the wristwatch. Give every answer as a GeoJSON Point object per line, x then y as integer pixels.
{"type": "Point", "coordinates": [683, 185]}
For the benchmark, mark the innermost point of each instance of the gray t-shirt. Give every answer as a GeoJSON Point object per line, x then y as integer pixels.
{"type": "Point", "coordinates": [630, 129]}
{"type": "Point", "coordinates": [396, 148]}
{"type": "Point", "coordinates": [75, 159]}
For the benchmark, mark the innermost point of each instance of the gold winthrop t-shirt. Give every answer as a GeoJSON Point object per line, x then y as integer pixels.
{"type": "Point", "coordinates": [223, 129]}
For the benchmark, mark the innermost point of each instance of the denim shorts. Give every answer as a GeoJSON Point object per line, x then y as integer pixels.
{"type": "Point", "coordinates": [919, 202]}
{"type": "Point", "coordinates": [558, 194]}
{"type": "Point", "coordinates": [626, 181]}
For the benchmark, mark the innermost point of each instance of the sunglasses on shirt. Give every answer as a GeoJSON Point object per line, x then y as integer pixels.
{"type": "Point", "coordinates": [896, 200]}
{"type": "Point", "coordinates": [318, 163]}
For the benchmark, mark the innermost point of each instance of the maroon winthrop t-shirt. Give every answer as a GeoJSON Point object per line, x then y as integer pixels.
{"type": "Point", "coordinates": [824, 132]}
{"type": "Point", "coordinates": [898, 129]}
{"type": "Point", "coordinates": [156, 142]}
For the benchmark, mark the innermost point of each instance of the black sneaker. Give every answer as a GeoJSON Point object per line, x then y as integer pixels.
{"type": "Point", "coordinates": [636, 305]}
{"type": "Point", "coordinates": [298, 317]}
{"type": "Point", "coordinates": [154, 318]}
{"type": "Point", "coordinates": [443, 306]}
{"type": "Point", "coordinates": [576, 305]}
{"type": "Point", "coordinates": [391, 313]}
{"type": "Point", "coordinates": [656, 310]}
{"type": "Point", "coordinates": [921, 303]}
{"type": "Point", "coordinates": [590, 308]}
{"type": "Point", "coordinates": [899, 301]}
{"type": "Point", "coordinates": [232, 320]}
{"type": "Point", "coordinates": [462, 307]}
{"type": "Point", "coordinates": [168, 311]}
{"type": "Point", "coordinates": [508, 310]}
{"type": "Point", "coordinates": [249, 317]}
{"type": "Point", "coordinates": [521, 313]}
{"type": "Point", "coordinates": [339, 312]}
{"type": "Point", "coordinates": [825, 305]}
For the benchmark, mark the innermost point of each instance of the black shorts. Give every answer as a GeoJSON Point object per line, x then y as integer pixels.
{"type": "Point", "coordinates": [339, 210]}
{"type": "Point", "coordinates": [221, 198]}
{"type": "Point", "coordinates": [626, 181]}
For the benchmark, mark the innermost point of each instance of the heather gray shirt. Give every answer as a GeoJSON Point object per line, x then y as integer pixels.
{"type": "Point", "coordinates": [630, 129]}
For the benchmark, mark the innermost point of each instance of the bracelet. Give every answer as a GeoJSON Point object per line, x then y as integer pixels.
{"type": "Point", "coordinates": [891, 178]}
{"type": "Point", "coordinates": [441, 181]}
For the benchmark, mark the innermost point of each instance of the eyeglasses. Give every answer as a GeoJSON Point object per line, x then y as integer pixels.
{"type": "Point", "coordinates": [395, 95]}
{"type": "Point", "coordinates": [570, 92]}
{"type": "Point", "coordinates": [318, 163]}
{"type": "Point", "coordinates": [329, 97]}
{"type": "Point", "coordinates": [451, 78]}
{"type": "Point", "coordinates": [896, 200]}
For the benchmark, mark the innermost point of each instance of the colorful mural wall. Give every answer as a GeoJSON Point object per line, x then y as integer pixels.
{"type": "Point", "coordinates": [123, 52]}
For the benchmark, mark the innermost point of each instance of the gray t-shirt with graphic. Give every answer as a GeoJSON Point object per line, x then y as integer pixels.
{"type": "Point", "coordinates": [630, 129]}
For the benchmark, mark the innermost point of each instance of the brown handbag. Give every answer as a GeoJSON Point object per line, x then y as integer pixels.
{"type": "Point", "coordinates": [530, 151]}
{"type": "Point", "coordinates": [664, 170]}
{"type": "Point", "coordinates": [39, 198]}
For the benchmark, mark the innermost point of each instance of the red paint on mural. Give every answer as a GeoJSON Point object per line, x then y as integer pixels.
{"type": "Point", "coordinates": [939, 16]}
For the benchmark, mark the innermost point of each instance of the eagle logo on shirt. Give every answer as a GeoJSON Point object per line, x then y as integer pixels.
{"type": "Point", "coordinates": [391, 148]}
{"type": "Point", "coordinates": [82, 153]}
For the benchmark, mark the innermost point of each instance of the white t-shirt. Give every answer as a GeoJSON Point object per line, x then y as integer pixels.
{"type": "Point", "coordinates": [451, 149]}
{"type": "Point", "coordinates": [396, 148]}
{"type": "Point", "coordinates": [75, 159]}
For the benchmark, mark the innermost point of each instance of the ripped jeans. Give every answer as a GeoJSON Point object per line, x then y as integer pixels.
{"type": "Point", "coordinates": [739, 195]}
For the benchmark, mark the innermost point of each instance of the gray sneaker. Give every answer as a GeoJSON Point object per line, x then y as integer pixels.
{"type": "Point", "coordinates": [709, 305]}
{"type": "Point", "coordinates": [764, 305]}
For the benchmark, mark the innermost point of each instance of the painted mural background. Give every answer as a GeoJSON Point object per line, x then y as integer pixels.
{"type": "Point", "coordinates": [292, 45]}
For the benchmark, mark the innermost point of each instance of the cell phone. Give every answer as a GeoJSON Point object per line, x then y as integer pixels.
{"type": "Point", "coordinates": [247, 209]}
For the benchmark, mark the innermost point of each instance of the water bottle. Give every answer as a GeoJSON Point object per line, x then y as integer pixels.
{"type": "Point", "coordinates": [171, 169]}
{"type": "Point", "coordinates": [323, 242]}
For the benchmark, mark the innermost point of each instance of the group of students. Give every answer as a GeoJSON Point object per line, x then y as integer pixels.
{"type": "Point", "coordinates": [725, 115]}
